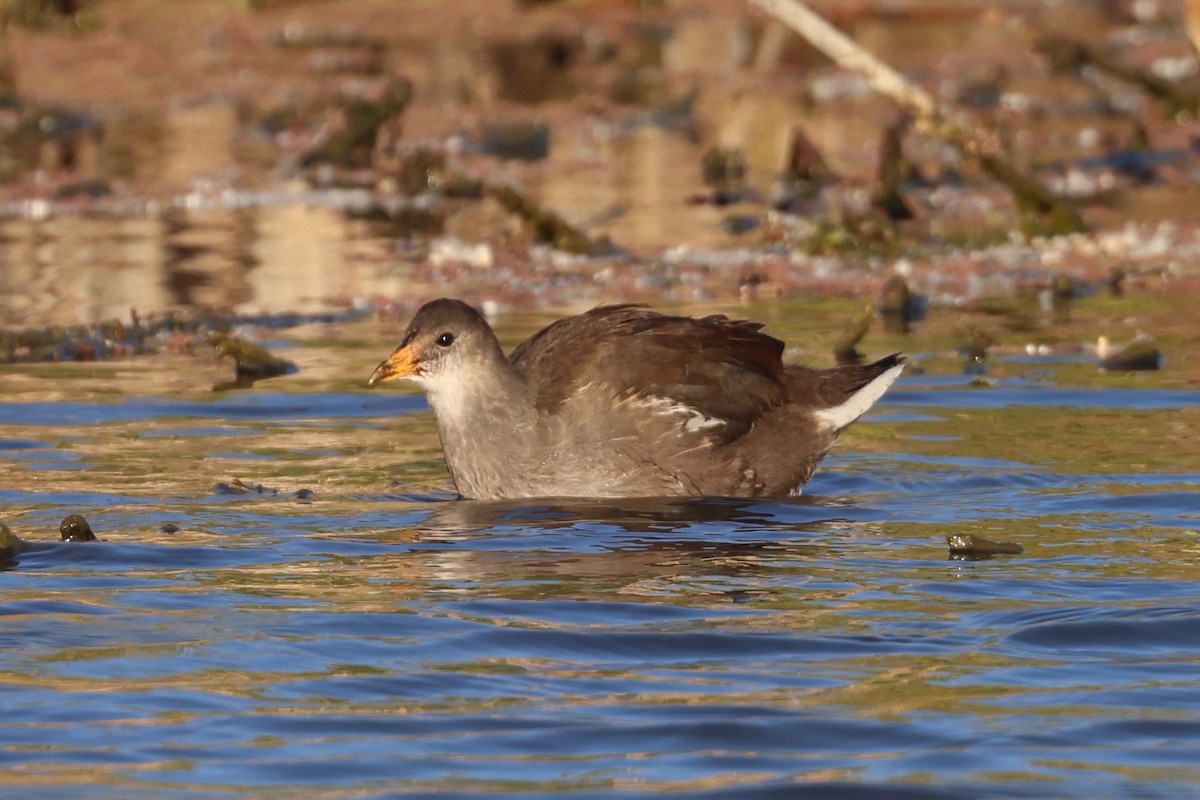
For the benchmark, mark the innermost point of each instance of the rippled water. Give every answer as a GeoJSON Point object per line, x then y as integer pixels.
{"type": "Point", "coordinates": [376, 637]}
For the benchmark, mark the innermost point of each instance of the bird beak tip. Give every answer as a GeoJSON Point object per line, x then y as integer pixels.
{"type": "Point", "coordinates": [400, 364]}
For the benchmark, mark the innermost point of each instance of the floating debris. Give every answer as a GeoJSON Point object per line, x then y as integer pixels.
{"type": "Point", "coordinates": [969, 547]}
{"type": "Point", "coordinates": [974, 351]}
{"type": "Point", "coordinates": [142, 335]}
{"type": "Point", "coordinates": [845, 350]}
{"type": "Point", "coordinates": [1139, 355]}
{"type": "Point", "coordinates": [10, 543]}
{"type": "Point", "coordinates": [251, 362]}
{"type": "Point", "coordinates": [238, 486]}
{"type": "Point", "coordinates": [898, 306]}
{"type": "Point", "coordinates": [75, 528]}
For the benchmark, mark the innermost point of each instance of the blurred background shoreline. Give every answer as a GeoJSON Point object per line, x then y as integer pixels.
{"type": "Point", "coordinates": [238, 157]}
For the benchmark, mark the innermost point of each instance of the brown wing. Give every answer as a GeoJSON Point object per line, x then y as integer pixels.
{"type": "Point", "coordinates": [722, 368]}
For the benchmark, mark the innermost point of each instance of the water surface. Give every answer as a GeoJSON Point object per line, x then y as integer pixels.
{"type": "Point", "coordinates": [352, 631]}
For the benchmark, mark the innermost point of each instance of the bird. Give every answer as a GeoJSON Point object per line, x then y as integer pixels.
{"type": "Point", "coordinates": [623, 401]}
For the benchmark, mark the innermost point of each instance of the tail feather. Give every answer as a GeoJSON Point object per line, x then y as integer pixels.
{"type": "Point", "coordinates": [867, 384]}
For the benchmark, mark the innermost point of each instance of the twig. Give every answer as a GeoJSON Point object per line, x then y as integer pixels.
{"type": "Point", "coordinates": [843, 50]}
{"type": "Point", "coordinates": [968, 136]}
{"type": "Point", "coordinates": [1066, 53]}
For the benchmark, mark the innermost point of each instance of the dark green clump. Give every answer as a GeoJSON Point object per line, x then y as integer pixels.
{"type": "Point", "coordinates": [251, 362]}
{"type": "Point", "coordinates": [969, 547]}
{"type": "Point", "coordinates": [10, 544]}
{"type": "Point", "coordinates": [76, 529]}
{"type": "Point", "coordinates": [353, 143]}
{"type": "Point", "coordinates": [547, 226]}
{"type": "Point", "coordinates": [845, 349]}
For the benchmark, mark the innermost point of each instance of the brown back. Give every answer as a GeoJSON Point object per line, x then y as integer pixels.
{"type": "Point", "coordinates": [722, 368]}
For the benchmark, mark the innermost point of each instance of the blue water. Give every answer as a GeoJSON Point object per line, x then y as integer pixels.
{"type": "Point", "coordinates": [375, 638]}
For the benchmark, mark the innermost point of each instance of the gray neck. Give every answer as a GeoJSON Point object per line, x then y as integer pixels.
{"type": "Point", "coordinates": [486, 426]}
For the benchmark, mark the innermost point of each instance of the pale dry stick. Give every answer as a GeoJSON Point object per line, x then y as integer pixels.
{"type": "Point", "coordinates": [951, 125]}
{"type": "Point", "coordinates": [1191, 15]}
{"type": "Point", "coordinates": [839, 47]}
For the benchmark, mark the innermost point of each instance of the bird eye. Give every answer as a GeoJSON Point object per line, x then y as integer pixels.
{"type": "Point", "coordinates": [445, 340]}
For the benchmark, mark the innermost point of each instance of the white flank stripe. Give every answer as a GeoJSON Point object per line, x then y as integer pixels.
{"type": "Point", "coordinates": [698, 422]}
{"type": "Point", "coordinates": [693, 420]}
{"type": "Point", "coordinates": [839, 417]}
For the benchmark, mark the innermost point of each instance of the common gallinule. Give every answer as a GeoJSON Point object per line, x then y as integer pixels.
{"type": "Point", "coordinates": [622, 401]}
